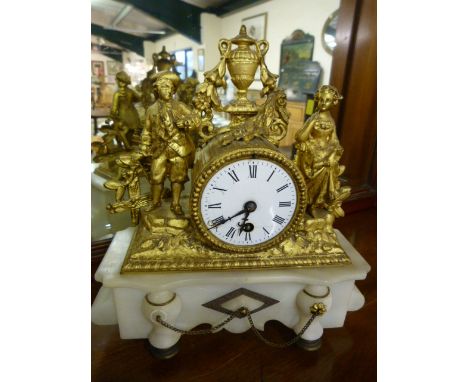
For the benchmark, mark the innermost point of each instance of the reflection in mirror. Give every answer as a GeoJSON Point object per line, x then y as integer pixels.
{"type": "Point", "coordinates": [329, 33]}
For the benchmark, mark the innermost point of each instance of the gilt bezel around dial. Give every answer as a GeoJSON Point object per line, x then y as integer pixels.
{"type": "Point", "coordinates": [245, 154]}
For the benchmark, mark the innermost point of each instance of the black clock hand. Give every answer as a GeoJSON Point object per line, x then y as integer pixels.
{"type": "Point", "coordinates": [248, 208]}
{"type": "Point", "coordinates": [242, 223]}
{"type": "Point", "coordinates": [246, 227]}
{"type": "Point", "coordinates": [227, 219]}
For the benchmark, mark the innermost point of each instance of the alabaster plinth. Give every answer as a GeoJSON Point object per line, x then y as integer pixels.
{"type": "Point", "coordinates": [188, 299]}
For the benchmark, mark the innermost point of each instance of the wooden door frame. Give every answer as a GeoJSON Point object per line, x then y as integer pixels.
{"type": "Point", "coordinates": [353, 73]}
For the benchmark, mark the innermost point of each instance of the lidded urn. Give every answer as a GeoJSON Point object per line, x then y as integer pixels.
{"type": "Point", "coordinates": [242, 64]}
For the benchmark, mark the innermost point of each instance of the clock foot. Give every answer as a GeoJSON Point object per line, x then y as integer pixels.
{"type": "Point", "coordinates": [163, 353]}
{"type": "Point", "coordinates": [309, 345]}
{"type": "Point", "coordinates": [166, 306]}
{"type": "Point", "coordinates": [308, 298]}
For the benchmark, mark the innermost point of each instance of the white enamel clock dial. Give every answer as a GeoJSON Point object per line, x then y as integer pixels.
{"type": "Point", "coordinates": [226, 202]}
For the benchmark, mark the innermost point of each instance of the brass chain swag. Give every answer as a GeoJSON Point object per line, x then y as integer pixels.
{"type": "Point", "coordinates": [318, 309]}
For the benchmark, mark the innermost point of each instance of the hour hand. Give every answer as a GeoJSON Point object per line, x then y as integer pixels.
{"type": "Point", "coordinates": [248, 208]}
{"type": "Point", "coordinates": [218, 221]}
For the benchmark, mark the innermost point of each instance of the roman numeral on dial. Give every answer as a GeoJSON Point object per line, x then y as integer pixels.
{"type": "Point", "coordinates": [215, 205]}
{"type": "Point", "coordinates": [231, 232]}
{"type": "Point", "coordinates": [283, 204]}
{"type": "Point", "coordinates": [270, 175]}
{"type": "Point", "coordinates": [282, 188]}
{"type": "Point", "coordinates": [233, 175]}
{"type": "Point", "coordinates": [247, 236]}
{"type": "Point", "coordinates": [253, 171]}
{"type": "Point", "coordinates": [278, 219]}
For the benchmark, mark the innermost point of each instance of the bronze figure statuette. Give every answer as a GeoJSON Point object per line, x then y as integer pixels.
{"type": "Point", "coordinates": [121, 131]}
{"type": "Point", "coordinates": [166, 140]}
{"type": "Point", "coordinates": [318, 155]}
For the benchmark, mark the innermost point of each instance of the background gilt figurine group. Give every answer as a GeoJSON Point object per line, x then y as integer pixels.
{"type": "Point", "coordinates": [161, 137]}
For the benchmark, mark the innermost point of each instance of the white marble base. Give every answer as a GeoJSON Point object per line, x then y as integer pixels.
{"type": "Point", "coordinates": [134, 300]}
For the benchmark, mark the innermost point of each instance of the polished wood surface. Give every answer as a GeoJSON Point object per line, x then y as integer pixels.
{"type": "Point", "coordinates": [354, 73]}
{"type": "Point", "coordinates": [347, 354]}
{"type": "Point", "coordinates": [359, 115]}
{"type": "Point", "coordinates": [342, 54]}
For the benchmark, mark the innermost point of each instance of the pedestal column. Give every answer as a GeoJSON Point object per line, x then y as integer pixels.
{"type": "Point", "coordinates": [166, 305]}
{"type": "Point", "coordinates": [305, 300]}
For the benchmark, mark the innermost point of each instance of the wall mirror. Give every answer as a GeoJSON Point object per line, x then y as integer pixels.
{"type": "Point", "coordinates": [329, 32]}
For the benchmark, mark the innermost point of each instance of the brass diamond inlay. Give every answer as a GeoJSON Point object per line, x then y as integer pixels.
{"type": "Point", "coordinates": [216, 304]}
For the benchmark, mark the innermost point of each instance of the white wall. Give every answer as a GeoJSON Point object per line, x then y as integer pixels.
{"type": "Point", "coordinates": [211, 34]}
{"type": "Point", "coordinates": [283, 18]}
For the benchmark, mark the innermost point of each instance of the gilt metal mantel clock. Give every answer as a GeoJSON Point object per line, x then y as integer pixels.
{"type": "Point", "coordinates": [249, 206]}
{"type": "Point", "coordinates": [248, 197]}
{"type": "Point", "coordinates": [227, 199]}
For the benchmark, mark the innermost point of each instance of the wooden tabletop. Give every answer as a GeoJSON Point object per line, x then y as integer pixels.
{"type": "Point", "coordinates": [347, 353]}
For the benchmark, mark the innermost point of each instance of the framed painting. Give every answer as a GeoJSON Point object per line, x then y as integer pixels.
{"type": "Point", "coordinates": [97, 68]}
{"type": "Point", "coordinates": [256, 26]}
{"type": "Point", "coordinates": [296, 48]}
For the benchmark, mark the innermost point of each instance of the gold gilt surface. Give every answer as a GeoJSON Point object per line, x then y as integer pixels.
{"type": "Point", "coordinates": [176, 138]}
{"type": "Point", "coordinates": [168, 247]}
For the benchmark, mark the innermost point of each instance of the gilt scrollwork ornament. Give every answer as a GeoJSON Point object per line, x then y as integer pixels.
{"type": "Point", "coordinates": [268, 79]}
{"type": "Point", "coordinates": [271, 122]}
{"type": "Point", "coordinates": [206, 97]}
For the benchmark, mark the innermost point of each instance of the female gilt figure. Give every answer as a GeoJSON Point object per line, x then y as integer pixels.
{"type": "Point", "coordinates": [318, 155]}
